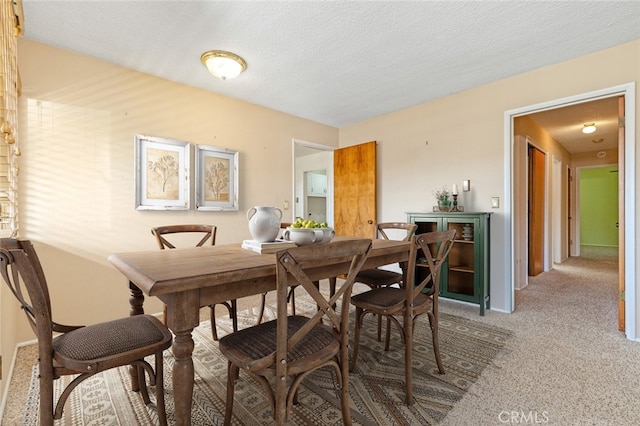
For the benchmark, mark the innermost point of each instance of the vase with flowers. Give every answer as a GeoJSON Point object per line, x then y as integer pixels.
{"type": "Point", "coordinates": [442, 196]}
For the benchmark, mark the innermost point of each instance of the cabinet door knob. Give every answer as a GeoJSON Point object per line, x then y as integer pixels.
{"type": "Point", "coordinates": [370, 222]}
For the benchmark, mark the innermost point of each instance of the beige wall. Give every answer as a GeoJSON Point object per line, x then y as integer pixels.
{"type": "Point", "coordinates": [78, 117]}
{"type": "Point", "coordinates": [462, 136]}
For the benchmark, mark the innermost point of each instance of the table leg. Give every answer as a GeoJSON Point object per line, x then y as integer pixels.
{"type": "Point", "coordinates": [136, 300]}
{"type": "Point", "coordinates": [183, 315]}
{"type": "Point", "coordinates": [183, 376]}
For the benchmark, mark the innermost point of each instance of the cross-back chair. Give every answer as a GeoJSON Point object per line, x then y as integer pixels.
{"type": "Point", "coordinates": [380, 277]}
{"type": "Point", "coordinates": [80, 350]}
{"type": "Point", "coordinates": [404, 305]}
{"type": "Point", "coordinates": [280, 353]}
{"type": "Point", "coordinates": [207, 235]}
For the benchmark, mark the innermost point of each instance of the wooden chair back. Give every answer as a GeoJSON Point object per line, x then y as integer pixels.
{"type": "Point", "coordinates": [436, 247]}
{"type": "Point", "coordinates": [18, 259]}
{"type": "Point", "coordinates": [296, 266]}
{"type": "Point", "coordinates": [161, 234]}
{"type": "Point", "coordinates": [291, 269]}
{"type": "Point", "coordinates": [383, 228]}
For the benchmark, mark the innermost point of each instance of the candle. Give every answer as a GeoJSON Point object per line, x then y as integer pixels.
{"type": "Point", "coordinates": [455, 189]}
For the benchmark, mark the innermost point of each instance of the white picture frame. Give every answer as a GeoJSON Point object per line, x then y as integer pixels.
{"type": "Point", "coordinates": [162, 173]}
{"type": "Point", "coordinates": [216, 178]}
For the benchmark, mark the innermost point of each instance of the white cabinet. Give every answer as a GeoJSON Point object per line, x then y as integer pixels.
{"type": "Point", "coordinates": [316, 185]}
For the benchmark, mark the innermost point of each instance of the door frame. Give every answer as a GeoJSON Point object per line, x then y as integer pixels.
{"type": "Point", "coordinates": [627, 90]}
{"type": "Point", "coordinates": [299, 143]}
{"type": "Point", "coordinates": [556, 210]}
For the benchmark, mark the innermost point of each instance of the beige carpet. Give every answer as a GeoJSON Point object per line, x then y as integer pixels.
{"type": "Point", "coordinates": [376, 387]}
{"type": "Point", "coordinates": [568, 364]}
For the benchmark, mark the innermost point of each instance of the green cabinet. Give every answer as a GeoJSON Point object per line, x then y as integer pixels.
{"type": "Point", "coordinates": [465, 275]}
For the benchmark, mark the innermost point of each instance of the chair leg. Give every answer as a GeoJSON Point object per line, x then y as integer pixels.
{"type": "Point", "coordinates": [46, 400]}
{"type": "Point", "coordinates": [407, 330]}
{"type": "Point", "coordinates": [433, 323]}
{"type": "Point", "coordinates": [214, 327]}
{"type": "Point", "coordinates": [263, 304]}
{"type": "Point", "coordinates": [142, 380]}
{"type": "Point", "coordinates": [387, 337]}
{"type": "Point", "coordinates": [233, 313]}
{"type": "Point", "coordinates": [332, 286]}
{"type": "Point", "coordinates": [291, 297]}
{"type": "Point", "coordinates": [356, 338]}
{"type": "Point", "coordinates": [344, 386]}
{"type": "Point", "coordinates": [160, 405]}
{"type": "Point", "coordinates": [232, 307]}
{"type": "Point", "coordinates": [232, 376]}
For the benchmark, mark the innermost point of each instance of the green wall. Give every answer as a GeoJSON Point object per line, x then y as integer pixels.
{"type": "Point", "coordinates": [599, 206]}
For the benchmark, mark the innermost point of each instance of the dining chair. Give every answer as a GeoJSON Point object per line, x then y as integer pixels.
{"type": "Point", "coordinates": [404, 305]}
{"type": "Point", "coordinates": [280, 353]}
{"type": "Point", "coordinates": [80, 350]}
{"type": "Point", "coordinates": [207, 235]}
{"type": "Point", "coordinates": [380, 277]}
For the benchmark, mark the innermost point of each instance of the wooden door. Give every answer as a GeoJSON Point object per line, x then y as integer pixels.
{"type": "Point", "coordinates": [536, 210]}
{"type": "Point", "coordinates": [621, 298]}
{"type": "Point", "coordinates": [354, 186]}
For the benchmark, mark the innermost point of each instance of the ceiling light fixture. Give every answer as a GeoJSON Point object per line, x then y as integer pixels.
{"type": "Point", "coordinates": [589, 128]}
{"type": "Point", "coordinates": [223, 64]}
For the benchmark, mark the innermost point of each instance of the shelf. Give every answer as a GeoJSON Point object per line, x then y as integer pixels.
{"type": "Point", "coordinates": [462, 268]}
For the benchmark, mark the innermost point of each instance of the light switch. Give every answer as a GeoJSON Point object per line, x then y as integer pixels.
{"type": "Point", "coordinates": [286, 205]}
{"type": "Point", "coordinates": [495, 202]}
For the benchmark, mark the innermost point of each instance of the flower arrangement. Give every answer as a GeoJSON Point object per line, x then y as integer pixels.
{"type": "Point", "coordinates": [442, 194]}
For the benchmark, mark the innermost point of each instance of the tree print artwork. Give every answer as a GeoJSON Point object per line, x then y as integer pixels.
{"type": "Point", "coordinates": [162, 174]}
{"type": "Point", "coordinates": [216, 179]}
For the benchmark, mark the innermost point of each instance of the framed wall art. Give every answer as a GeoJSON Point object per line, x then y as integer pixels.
{"type": "Point", "coordinates": [162, 173]}
{"type": "Point", "coordinates": [216, 178]}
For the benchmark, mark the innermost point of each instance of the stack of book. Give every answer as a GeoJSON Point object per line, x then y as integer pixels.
{"type": "Point", "coordinates": [268, 247]}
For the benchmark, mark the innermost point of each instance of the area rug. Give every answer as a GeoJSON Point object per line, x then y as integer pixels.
{"type": "Point", "coordinates": [376, 386]}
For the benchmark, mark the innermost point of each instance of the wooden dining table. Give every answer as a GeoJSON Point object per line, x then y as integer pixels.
{"type": "Point", "coordinates": [187, 279]}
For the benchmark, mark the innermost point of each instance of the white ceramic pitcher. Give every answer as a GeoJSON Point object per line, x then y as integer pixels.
{"type": "Point", "coordinates": [264, 223]}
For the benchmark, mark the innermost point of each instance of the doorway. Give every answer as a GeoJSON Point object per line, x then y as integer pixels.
{"type": "Point", "coordinates": [313, 181]}
{"type": "Point", "coordinates": [514, 236]}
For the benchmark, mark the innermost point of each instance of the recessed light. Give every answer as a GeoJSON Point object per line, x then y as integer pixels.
{"type": "Point", "coordinates": [589, 128]}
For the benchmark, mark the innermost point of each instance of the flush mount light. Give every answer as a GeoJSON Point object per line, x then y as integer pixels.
{"type": "Point", "coordinates": [223, 64]}
{"type": "Point", "coordinates": [589, 128]}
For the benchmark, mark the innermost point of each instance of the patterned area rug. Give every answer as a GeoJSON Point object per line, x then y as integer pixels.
{"type": "Point", "coordinates": [376, 386]}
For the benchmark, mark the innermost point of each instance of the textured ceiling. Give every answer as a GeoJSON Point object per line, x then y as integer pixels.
{"type": "Point", "coordinates": [337, 62]}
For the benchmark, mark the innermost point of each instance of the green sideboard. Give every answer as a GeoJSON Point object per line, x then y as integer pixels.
{"type": "Point", "coordinates": [465, 275]}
